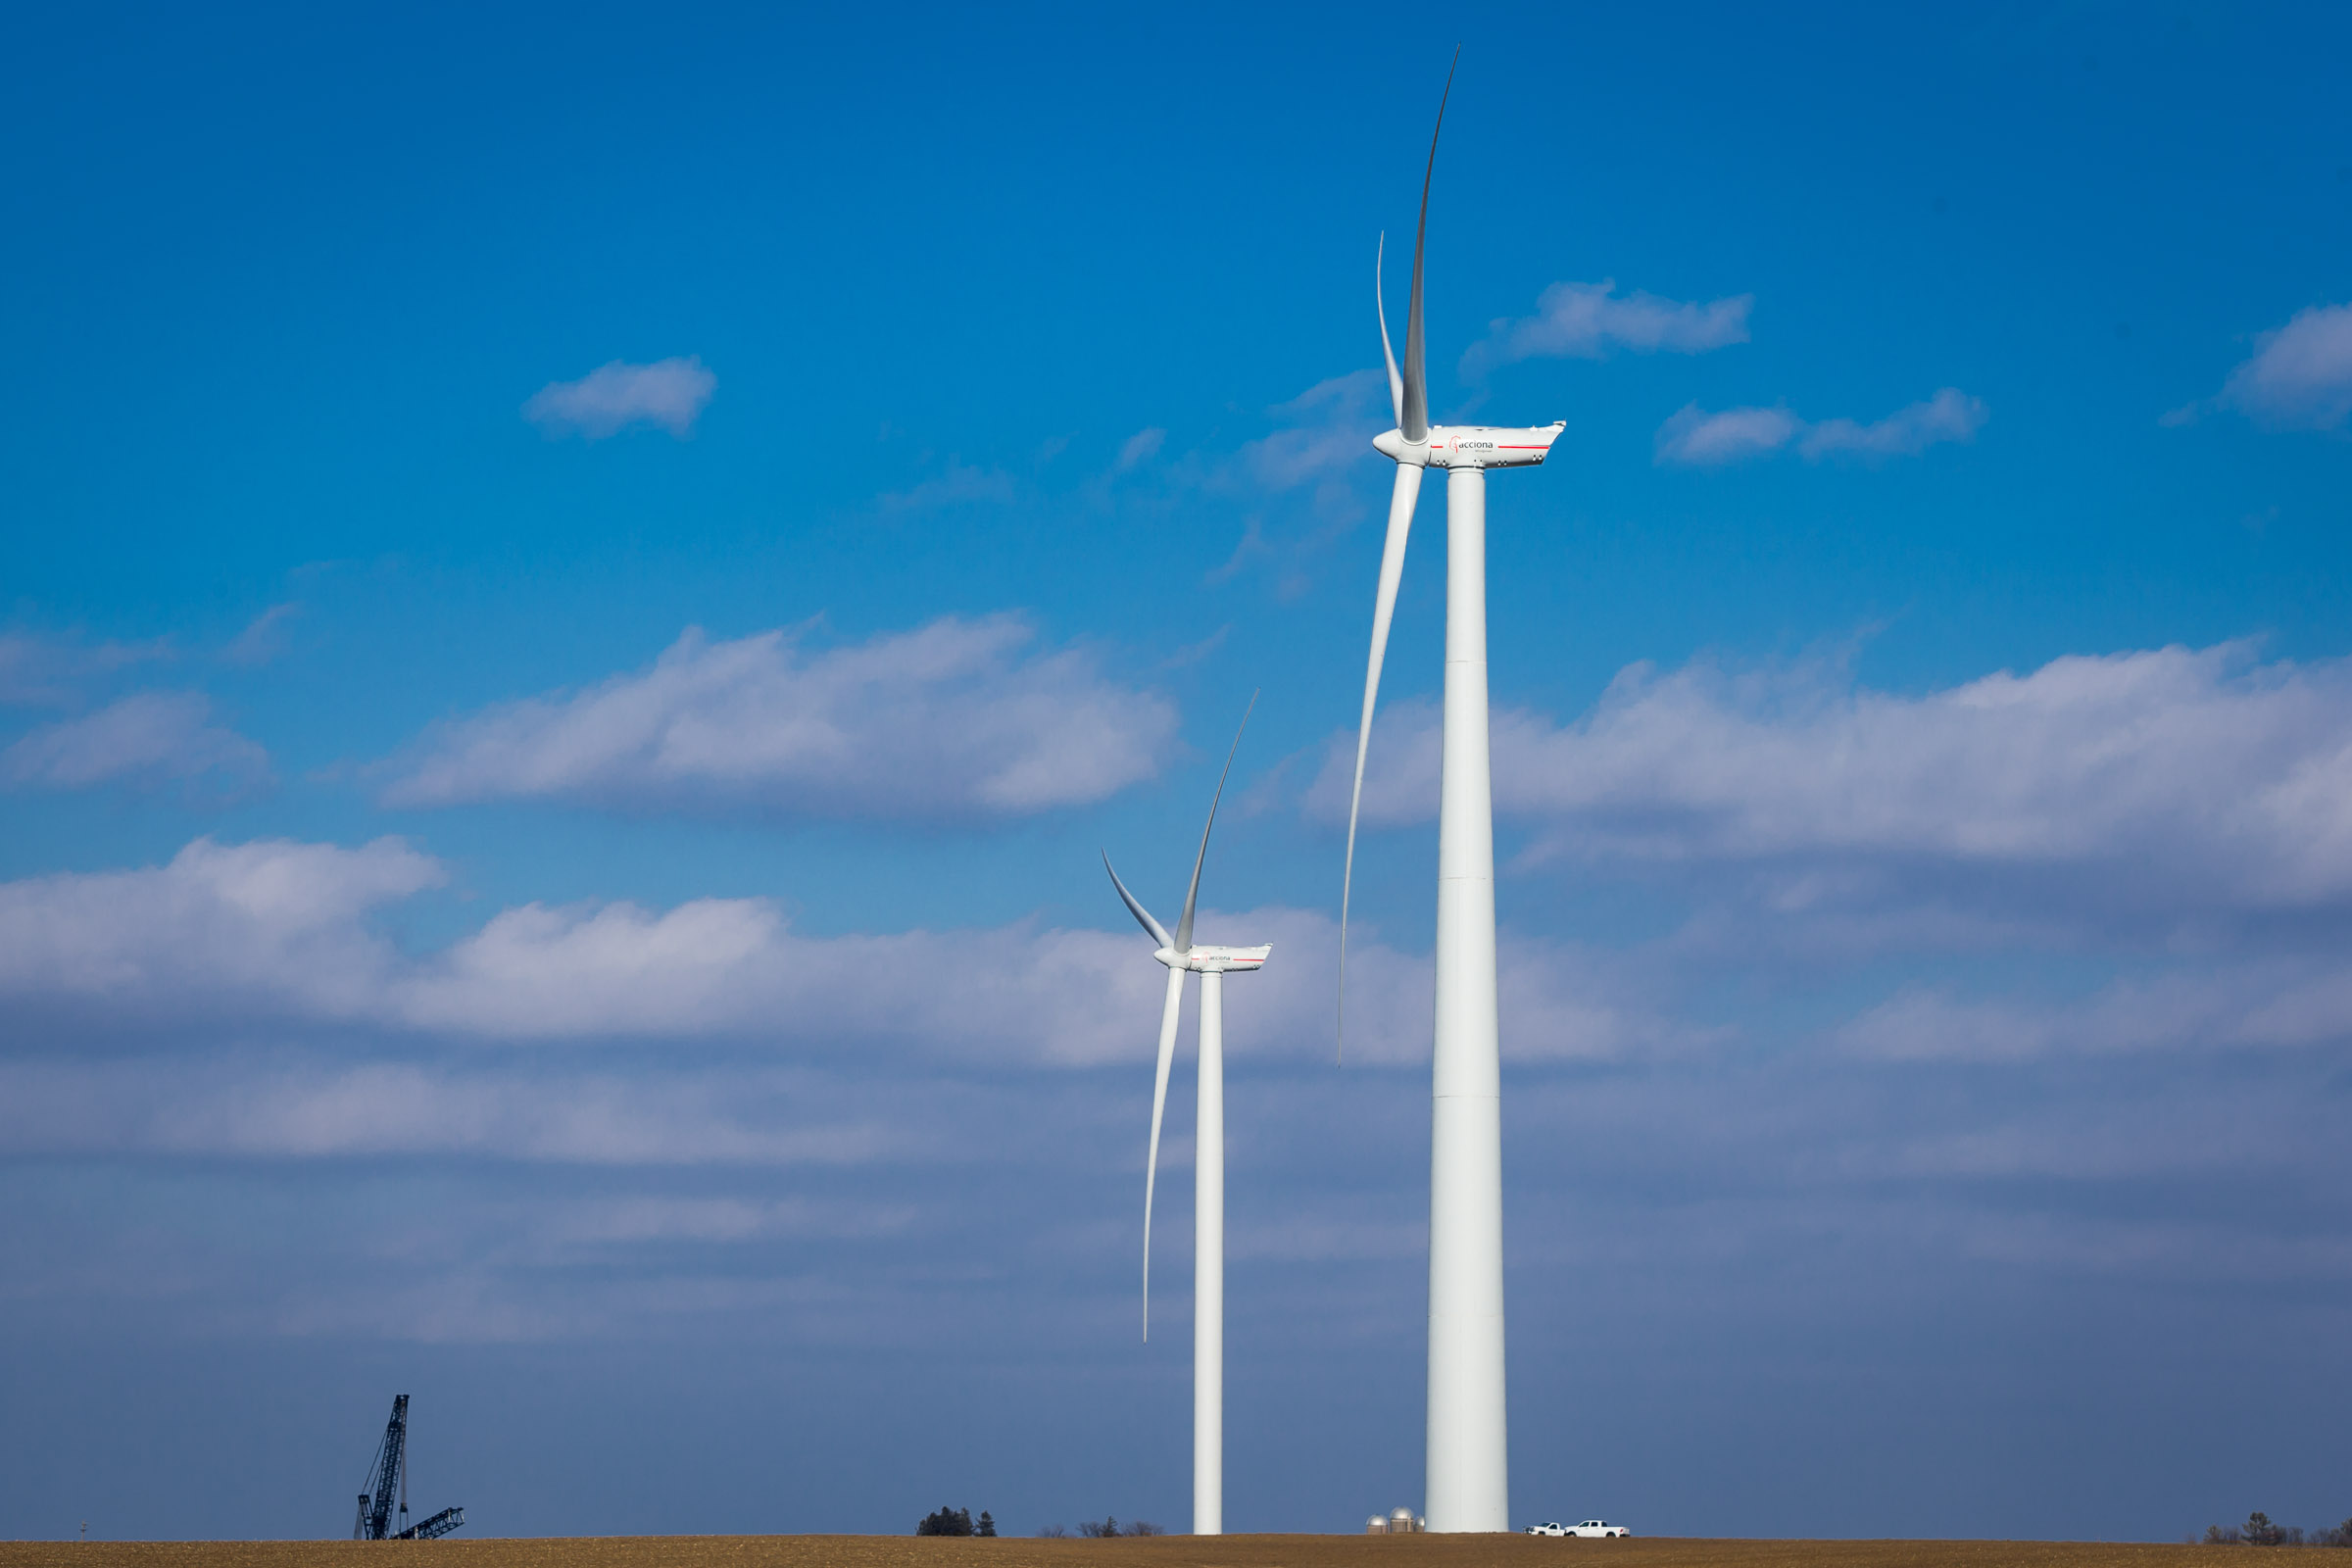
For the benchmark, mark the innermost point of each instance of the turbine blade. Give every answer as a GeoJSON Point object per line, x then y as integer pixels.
{"type": "Point", "coordinates": [1160, 1103]}
{"type": "Point", "coordinates": [1383, 606]}
{"type": "Point", "coordinates": [1380, 304]}
{"type": "Point", "coordinates": [1152, 928]}
{"type": "Point", "coordinates": [1191, 894]}
{"type": "Point", "coordinates": [1413, 419]}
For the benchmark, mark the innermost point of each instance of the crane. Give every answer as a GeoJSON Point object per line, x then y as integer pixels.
{"type": "Point", "coordinates": [388, 1480]}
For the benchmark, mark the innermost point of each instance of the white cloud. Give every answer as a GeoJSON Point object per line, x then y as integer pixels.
{"type": "Point", "coordinates": [2182, 776]}
{"type": "Point", "coordinates": [722, 1220]}
{"type": "Point", "coordinates": [1696, 438]}
{"type": "Point", "coordinates": [239, 935]}
{"type": "Point", "coordinates": [1701, 439]}
{"type": "Point", "coordinates": [51, 672]}
{"type": "Point", "coordinates": [264, 637]}
{"type": "Point", "coordinates": [1251, 546]}
{"type": "Point", "coordinates": [143, 738]}
{"type": "Point", "coordinates": [1139, 448]}
{"type": "Point", "coordinates": [671, 393]}
{"type": "Point", "coordinates": [26, 673]}
{"type": "Point", "coordinates": [1324, 430]}
{"type": "Point", "coordinates": [271, 928]}
{"type": "Point", "coordinates": [733, 967]}
{"type": "Point", "coordinates": [2300, 376]}
{"type": "Point", "coordinates": [959, 718]}
{"type": "Point", "coordinates": [960, 485]}
{"type": "Point", "coordinates": [1951, 414]}
{"type": "Point", "coordinates": [1586, 321]}
{"type": "Point", "coordinates": [312, 1108]}
{"type": "Point", "coordinates": [759, 1125]}
{"type": "Point", "coordinates": [2255, 1003]}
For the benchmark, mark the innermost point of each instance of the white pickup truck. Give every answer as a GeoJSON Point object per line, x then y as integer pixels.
{"type": "Point", "coordinates": [1590, 1529]}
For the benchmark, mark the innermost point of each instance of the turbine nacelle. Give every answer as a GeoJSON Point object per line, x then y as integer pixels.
{"type": "Point", "coordinates": [1471, 446]}
{"type": "Point", "coordinates": [1203, 960]}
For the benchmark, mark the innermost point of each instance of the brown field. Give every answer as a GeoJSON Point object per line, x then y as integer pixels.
{"type": "Point", "coordinates": [1162, 1551]}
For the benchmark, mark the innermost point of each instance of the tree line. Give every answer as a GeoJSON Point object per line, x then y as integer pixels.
{"type": "Point", "coordinates": [2258, 1531]}
{"type": "Point", "coordinates": [960, 1522]}
{"type": "Point", "coordinates": [1103, 1529]}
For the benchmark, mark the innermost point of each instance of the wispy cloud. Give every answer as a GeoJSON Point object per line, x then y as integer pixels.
{"type": "Point", "coordinates": [1193, 653]}
{"type": "Point", "coordinates": [1588, 322]}
{"type": "Point", "coordinates": [1251, 546]}
{"type": "Point", "coordinates": [2299, 376]}
{"type": "Point", "coordinates": [1702, 439]}
{"type": "Point", "coordinates": [145, 738]}
{"type": "Point", "coordinates": [325, 1108]}
{"type": "Point", "coordinates": [1951, 414]}
{"type": "Point", "coordinates": [264, 637]}
{"type": "Point", "coordinates": [957, 719]}
{"type": "Point", "coordinates": [1321, 432]}
{"type": "Point", "coordinates": [669, 393]}
{"type": "Point", "coordinates": [960, 485]}
{"type": "Point", "coordinates": [1694, 437]}
{"type": "Point", "coordinates": [38, 671]}
{"type": "Point", "coordinates": [1139, 448]}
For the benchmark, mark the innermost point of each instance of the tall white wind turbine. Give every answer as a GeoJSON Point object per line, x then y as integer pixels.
{"type": "Point", "coordinates": [1183, 956]}
{"type": "Point", "coordinates": [1469, 1471]}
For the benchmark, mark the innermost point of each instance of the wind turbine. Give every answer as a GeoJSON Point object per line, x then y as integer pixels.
{"type": "Point", "coordinates": [1183, 956]}
{"type": "Point", "coordinates": [1468, 1476]}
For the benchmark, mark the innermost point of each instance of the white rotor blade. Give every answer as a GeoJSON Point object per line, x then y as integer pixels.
{"type": "Point", "coordinates": [1381, 306]}
{"type": "Point", "coordinates": [1184, 923]}
{"type": "Point", "coordinates": [1143, 916]}
{"type": "Point", "coordinates": [1160, 1103]}
{"type": "Point", "coordinates": [1383, 606]}
{"type": "Point", "coordinates": [1412, 418]}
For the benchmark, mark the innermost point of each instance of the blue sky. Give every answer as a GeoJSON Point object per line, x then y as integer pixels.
{"type": "Point", "coordinates": [579, 591]}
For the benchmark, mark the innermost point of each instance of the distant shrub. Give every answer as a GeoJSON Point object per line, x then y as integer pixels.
{"type": "Point", "coordinates": [1106, 1527]}
{"type": "Point", "coordinates": [948, 1522]}
{"type": "Point", "coordinates": [1053, 1531]}
{"type": "Point", "coordinates": [2260, 1532]}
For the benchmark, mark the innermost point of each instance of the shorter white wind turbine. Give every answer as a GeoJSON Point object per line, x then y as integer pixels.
{"type": "Point", "coordinates": [1182, 957]}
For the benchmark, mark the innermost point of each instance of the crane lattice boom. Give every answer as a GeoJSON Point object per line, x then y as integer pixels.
{"type": "Point", "coordinates": [388, 1481]}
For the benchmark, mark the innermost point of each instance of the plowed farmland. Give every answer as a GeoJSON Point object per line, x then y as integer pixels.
{"type": "Point", "coordinates": [1163, 1552]}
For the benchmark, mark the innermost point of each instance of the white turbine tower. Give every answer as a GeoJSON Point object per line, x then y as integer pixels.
{"type": "Point", "coordinates": [1182, 957]}
{"type": "Point", "coordinates": [1468, 1479]}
